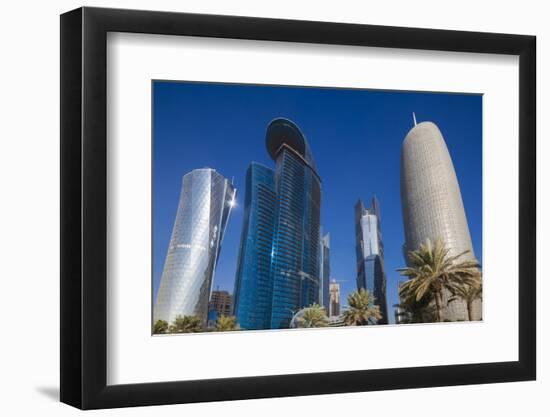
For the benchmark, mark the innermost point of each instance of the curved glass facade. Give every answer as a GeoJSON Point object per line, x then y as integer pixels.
{"type": "Point", "coordinates": [253, 278]}
{"type": "Point", "coordinates": [204, 207]}
{"type": "Point", "coordinates": [279, 263]}
{"type": "Point", "coordinates": [296, 252]}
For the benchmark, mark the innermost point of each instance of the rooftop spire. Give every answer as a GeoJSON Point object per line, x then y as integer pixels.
{"type": "Point", "coordinates": [414, 118]}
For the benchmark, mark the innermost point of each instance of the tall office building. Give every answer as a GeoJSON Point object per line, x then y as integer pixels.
{"type": "Point", "coordinates": [295, 264]}
{"type": "Point", "coordinates": [253, 287]}
{"type": "Point", "coordinates": [324, 280]}
{"type": "Point", "coordinates": [334, 302]}
{"type": "Point", "coordinates": [370, 254]}
{"type": "Point", "coordinates": [432, 203]}
{"type": "Point", "coordinates": [278, 270]}
{"type": "Point", "coordinates": [221, 302]}
{"type": "Point", "coordinates": [205, 204]}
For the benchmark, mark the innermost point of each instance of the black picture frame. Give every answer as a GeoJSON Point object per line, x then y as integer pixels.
{"type": "Point", "coordinates": [84, 207]}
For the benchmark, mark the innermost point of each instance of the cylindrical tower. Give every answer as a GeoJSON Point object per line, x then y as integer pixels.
{"type": "Point", "coordinates": [205, 203]}
{"type": "Point", "coordinates": [432, 203]}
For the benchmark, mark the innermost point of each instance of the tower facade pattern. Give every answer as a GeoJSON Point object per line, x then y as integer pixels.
{"type": "Point", "coordinates": [432, 203]}
{"type": "Point", "coordinates": [205, 204]}
{"type": "Point", "coordinates": [334, 302]}
{"type": "Point", "coordinates": [324, 280]}
{"type": "Point", "coordinates": [253, 287]}
{"type": "Point", "coordinates": [279, 267]}
{"type": "Point", "coordinates": [295, 263]}
{"type": "Point", "coordinates": [369, 250]}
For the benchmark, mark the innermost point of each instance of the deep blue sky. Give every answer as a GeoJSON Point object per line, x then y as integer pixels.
{"type": "Point", "coordinates": [355, 137]}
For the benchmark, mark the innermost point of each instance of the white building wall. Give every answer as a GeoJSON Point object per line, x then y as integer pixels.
{"type": "Point", "coordinates": [431, 199]}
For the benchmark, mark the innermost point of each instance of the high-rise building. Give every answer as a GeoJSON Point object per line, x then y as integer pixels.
{"type": "Point", "coordinates": [253, 285]}
{"type": "Point", "coordinates": [432, 203]}
{"type": "Point", "coordinates": [370, 254]}
{"type": "Point", "coordinates": [221, 302]}
{"type": "Point", "coordinates": [295, 264]}
{"type": "Point", "coordinates": [278, 270]}
{"type": "Point", "coordinates": [334, 303]}
{"type": "Point", "coordinates": [324, 280]}
{"type": "Point", "coordinates": [205, 203]}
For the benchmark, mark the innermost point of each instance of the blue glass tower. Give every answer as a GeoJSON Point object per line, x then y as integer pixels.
{"type": "Point", "coordinates": [253, 279]}
{"type": "Point", "coordinates": [279, 265]}
{"type": "Point", "coordinates": [370, 254]}
{"type": "Point", "coordinates": [295, 266]}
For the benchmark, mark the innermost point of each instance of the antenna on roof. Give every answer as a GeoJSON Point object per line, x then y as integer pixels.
{"type": "Point", "coordinates": [414, 118]}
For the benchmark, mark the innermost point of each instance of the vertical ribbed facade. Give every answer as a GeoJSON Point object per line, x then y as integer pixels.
{"type": "Point", "coordinates": [369, 251]}
{"type": "Point", "coordinates": [205, 204]}
{"type": "Point", "coordinates": [295, 262]}
{"type": "Point", "coordinates": [253, 286]}
{"type": "Point", "coordinates": [279, 265]}
{"type": "Point", "coordinates": [432, 203]}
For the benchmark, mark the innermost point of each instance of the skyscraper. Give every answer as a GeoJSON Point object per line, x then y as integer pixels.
{"type": "Point", "coordinates": [205, 204]}
{"type": "Point", "coordinates": [324, 280]}
{"type": "Point", "coordinates": [432, 203]}
{"type": "Point", "coordinates": [334, 305]}
{"type": "Point", "coordinates": [278, 270]}
{"type": "Point", "coordinates": [370, 254]}
{"type": "Point", "coordinates": [221, 302]}
{"type": "Point", "coordinates": [253, 286]}
{"type": "Point", "coordinates": [295, 263]}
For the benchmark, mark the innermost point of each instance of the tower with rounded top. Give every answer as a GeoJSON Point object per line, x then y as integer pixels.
{"type": "Point", "coordinates": [432, 203]}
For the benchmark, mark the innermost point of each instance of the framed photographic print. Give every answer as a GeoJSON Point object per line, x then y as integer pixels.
{"type": "Point", "coordinates": [258, 207]}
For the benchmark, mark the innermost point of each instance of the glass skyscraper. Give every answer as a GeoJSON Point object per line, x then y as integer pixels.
{"type": "Point", "coordinates": [370, 254]}
{"type": "Point", "coordinates": [324, 280]}
{"type": "Point", "coordinates": [253, 287]}
{"type": "Point", "coordinates": [282, 210]}
{"type": "Point", "coordinates": [205, 203]}
{"type": "Point", "coordinates": [295, 263]}
{"type": "Point", "coordinates": [432, 203]}
{"type": "Point", "coordinates": [334, 300]}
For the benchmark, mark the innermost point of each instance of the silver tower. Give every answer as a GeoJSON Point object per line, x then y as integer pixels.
{"type": "Point", "coordinates": [370, 254]}
{"type": "Point", "coordinates": [204, 207]}
{"type": "Point", "coordinates": [432, 203]}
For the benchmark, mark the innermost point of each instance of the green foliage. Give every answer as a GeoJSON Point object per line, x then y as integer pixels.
{"type": "Point", "coordinates": [226, 324]}
{"type": "Point", "coordinates": [160, 327]}
{"type": "Point", "coordinates": [422, 311]}
{"type": "Point", "coordinates": [362, 310]}
{"type": "Point", "coordinates": [186, 324]}
{"type": "Point", "coordinates": [432, 270]}
{"type": "Point", "coordinates": [312, 316]}
{"type": "Point", "coordinates": [471, 292]}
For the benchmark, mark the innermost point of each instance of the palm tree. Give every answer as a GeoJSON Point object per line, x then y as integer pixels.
{"type": "Point", "coordinates": [471, 293]}
{"type": "Point", "coordinates": [362, 310]}
{"type": "Point", "coordinates": [160, 327]}
{"type": "Point", "coordinates": [226, 324]}
{"type": "Point", "coordinates": [186, 324]}
{"type": "Point", "coordinates": [432, 271]}
{"type": "Point", "coordinates": [312, 316]}
{"type": "Point", "coordinates": [416, 312]}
